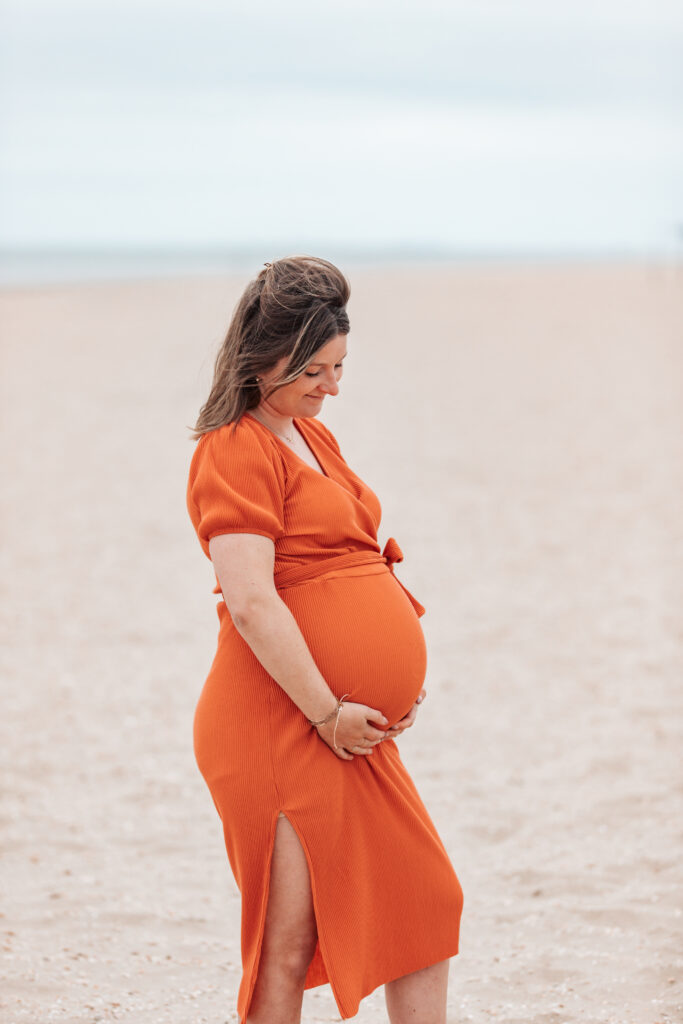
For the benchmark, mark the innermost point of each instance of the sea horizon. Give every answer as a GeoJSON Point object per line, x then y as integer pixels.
{"type": "Point", "coordinates": [46, 266]}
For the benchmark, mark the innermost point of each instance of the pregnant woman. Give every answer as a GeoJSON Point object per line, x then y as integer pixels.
{"type": "Point", "coordinates": [319, 667]}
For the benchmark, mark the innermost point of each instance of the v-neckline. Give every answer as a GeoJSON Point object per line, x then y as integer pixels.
{"type": "Point", "coordinates": [297, 426]}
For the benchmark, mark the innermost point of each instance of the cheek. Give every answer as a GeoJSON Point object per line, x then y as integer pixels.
{"type": "Point", "coordinates": [293, 392]}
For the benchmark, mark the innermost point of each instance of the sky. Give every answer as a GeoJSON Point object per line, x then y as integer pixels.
{"type": "Point", "coordinates": [477, 127]}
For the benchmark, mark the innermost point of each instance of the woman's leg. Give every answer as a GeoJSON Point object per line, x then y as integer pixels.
{"type": "Point", "coordinates": [290, 934]}
{"type": "Point", "coordinates": [419, 998]}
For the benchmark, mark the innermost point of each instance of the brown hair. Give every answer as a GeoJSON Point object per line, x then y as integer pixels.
{"type": "Point", "coordinates": [292, 308]}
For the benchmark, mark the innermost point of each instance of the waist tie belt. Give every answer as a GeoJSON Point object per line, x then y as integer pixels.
{"type": "Point", "coordinates": [314, 570]}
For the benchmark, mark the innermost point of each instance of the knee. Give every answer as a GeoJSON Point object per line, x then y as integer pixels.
{"type": "Point", "coordinates": [292, 956]}
{"type": "Point", "coordinates": [296, 961]}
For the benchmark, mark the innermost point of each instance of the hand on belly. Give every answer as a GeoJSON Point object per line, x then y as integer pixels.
{"type": "Point", "coordinates": [365, 638]}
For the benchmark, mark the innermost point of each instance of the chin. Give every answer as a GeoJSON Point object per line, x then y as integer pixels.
{"type": "Point", "coordinates": [311, 408]}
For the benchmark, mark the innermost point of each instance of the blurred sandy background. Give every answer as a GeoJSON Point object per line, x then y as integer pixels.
{"type": "Point", "coordinates": [523, 427]}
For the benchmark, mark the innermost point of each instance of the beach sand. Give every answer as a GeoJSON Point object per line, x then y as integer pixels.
{"type": "Point", "coordinates": [523, 427]}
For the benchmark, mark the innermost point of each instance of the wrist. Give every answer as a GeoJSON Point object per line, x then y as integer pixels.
{"type": "Point", "coordinates": [332, 719]}
{"type": "Point", "coordinates": [329, 716]}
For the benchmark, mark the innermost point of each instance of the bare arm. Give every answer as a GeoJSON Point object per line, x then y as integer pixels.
{"type": "Point", "coordinates": [244, 565]}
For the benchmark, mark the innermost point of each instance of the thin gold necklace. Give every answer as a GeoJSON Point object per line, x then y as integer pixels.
{"type": "Point", "coordinates": [285, 437]}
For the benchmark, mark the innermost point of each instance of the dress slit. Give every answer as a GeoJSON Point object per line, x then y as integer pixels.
{"type": "Point", "coordinates": [261, 927]}
{"type": "Point", "coordinates": [318, 972]}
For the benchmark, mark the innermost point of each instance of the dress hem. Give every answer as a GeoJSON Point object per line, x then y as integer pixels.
{"type": "Point", "coordinates": [347, 1013]}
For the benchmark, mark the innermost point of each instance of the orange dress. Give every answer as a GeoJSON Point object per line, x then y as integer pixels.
{"type": "Point", "coordinates": [387, 900]}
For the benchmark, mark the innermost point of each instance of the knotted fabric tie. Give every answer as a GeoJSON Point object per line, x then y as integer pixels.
{"type": "Point", "coordinates": [392, 554]}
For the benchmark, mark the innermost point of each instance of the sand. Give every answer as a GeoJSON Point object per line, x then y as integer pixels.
{"type": "Point", "coordinates": [523, 427]}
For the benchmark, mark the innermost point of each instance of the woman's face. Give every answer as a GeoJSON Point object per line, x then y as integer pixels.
{"type": "Point", "coordinates": [305, 395]}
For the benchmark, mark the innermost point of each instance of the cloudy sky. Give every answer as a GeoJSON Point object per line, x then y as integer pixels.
{"type": "Point", "coordinates": [474, 126]}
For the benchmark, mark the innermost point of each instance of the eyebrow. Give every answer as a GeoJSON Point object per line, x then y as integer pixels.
{"type": "Point", "coordinates": [325, 364]}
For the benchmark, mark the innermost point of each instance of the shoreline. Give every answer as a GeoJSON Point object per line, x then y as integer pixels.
{"type": "Point", "coordinates": [20, 271]}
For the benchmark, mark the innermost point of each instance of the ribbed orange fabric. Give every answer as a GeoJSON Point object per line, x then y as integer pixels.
{"type": "Point", "coordinates": [387, 900]}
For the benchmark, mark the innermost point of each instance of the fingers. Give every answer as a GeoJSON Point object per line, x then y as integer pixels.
{"type": "Point", "coordinates": [404, 724]}
{"type": "Point", "coordinates": [375, 716]}
{"type": "Point", "coordinates": [348, 753]}
{"type": "Point", "coordinates": [409, 718]}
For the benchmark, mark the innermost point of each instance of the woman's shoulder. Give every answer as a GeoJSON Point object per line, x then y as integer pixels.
{"type": "Point", "coordinates": [236, 484]}
{"type": "Point", "coordinates": [238, 447]}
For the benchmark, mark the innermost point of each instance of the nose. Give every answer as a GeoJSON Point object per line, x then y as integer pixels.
{"type": "Point", "coordinates": [330, 385]}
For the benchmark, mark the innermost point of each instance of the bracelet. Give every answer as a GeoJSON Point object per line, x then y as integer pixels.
{"type": "Point", "coordinates": [328, 718]}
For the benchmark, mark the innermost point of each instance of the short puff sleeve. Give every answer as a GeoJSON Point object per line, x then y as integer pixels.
{"type": "Point", "coordinates": [236, 485]}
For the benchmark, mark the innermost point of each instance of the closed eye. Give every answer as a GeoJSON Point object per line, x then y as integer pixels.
{"type": "Point", "coordinates": [316, 373]}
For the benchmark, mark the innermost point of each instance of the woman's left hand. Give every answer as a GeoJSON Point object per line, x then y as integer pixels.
{"type": "Point", "coordinates": [405, 723]}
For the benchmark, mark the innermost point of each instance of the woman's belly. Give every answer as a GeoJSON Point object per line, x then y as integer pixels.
{"type": "Point", "coordinates": [365, 638]}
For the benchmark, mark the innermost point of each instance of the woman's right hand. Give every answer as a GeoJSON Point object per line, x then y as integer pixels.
{"type": "Point", "coordinates": [355, 732]}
